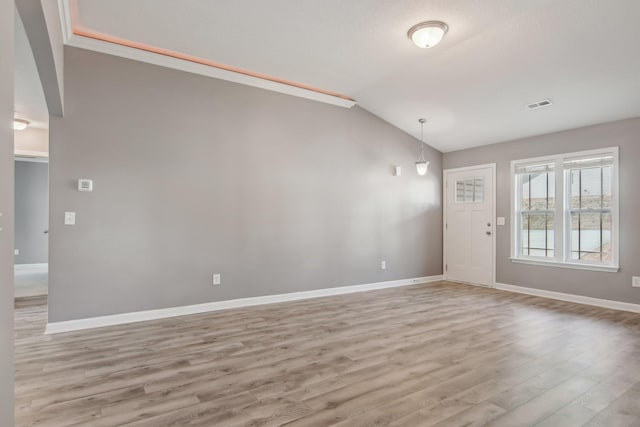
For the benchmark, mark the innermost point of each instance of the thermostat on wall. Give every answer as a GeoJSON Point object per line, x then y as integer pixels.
{"type": "Point", "coordinates": [85, 185]}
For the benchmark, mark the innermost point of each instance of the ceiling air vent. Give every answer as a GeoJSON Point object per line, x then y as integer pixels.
{"type": "Point", "coordinates": [540, 104]}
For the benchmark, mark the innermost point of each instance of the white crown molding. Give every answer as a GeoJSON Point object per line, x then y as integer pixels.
{"type": "Point", "coordinates": [65, 19]}
{"type": "Point", "coordinates": [82, 42]}
{"type": "Point", "coordinates": [140, 316]}
{"type": "Point", "coordinates": [598, 302]}
{"type": "Point", "coordinates": [32, 268]}
{"type": "Point", "coordinates": [204, 70]}
{"type": "Point", "coordinates": [31, 156]}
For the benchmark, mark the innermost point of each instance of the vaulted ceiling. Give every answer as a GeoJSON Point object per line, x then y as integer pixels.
{"type": "Point", "coordinates": [473, 88]}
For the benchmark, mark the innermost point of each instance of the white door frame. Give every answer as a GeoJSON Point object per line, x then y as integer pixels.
{"type": "Point", "coordinates": [445, 176]}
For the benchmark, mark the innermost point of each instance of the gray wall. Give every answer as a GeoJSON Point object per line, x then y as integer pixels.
{"type": "Point", "coordinates": [614, 286]}
{"type": "Point", "coordinates": [6, 208]}
{"type": "Point", "coordinates": [31, 212]}
{"type": "Point", "coordinates": [195, 176]}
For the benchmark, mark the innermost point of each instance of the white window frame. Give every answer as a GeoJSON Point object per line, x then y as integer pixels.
{"type": "Point", "coordinates": [562, 233]}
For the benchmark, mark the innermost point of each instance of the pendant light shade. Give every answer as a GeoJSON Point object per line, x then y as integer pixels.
{"type": "Point", "coordinates": [422, 165]}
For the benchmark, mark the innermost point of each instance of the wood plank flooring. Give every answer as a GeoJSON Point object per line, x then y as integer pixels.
{"type": "Point", "coordinates": [437, 354]}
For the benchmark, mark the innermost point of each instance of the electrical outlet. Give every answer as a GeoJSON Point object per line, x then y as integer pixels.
{"type": "Point", "coordinates": [16, 251]}
{"type": "Point", "coordinates": [383, 265]}
{"type": "Point", "coordinates": [216, 279]}
{"type": "Point", "coordinates": [635, 281]}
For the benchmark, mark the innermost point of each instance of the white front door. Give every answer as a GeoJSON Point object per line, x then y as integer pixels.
{"type": "Point", "coordinates": [469, 225]}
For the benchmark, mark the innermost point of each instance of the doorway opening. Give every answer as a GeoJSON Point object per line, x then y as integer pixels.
{"type": "Point", "coordinates": [31, 186]}
{"type": "Point", "coordinates": [31, 247]}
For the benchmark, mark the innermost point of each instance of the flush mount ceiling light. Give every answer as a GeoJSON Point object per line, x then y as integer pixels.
{"type": "Point", "coordinates": [428, 34]}
{"type": "Point", "coordinates": [422, 164]}
{"type": "Point", "coordinates": [20, 124]}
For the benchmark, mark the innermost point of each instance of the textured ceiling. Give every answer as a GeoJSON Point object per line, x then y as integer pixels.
{"type": "Point", "coordinates": [498, 56]}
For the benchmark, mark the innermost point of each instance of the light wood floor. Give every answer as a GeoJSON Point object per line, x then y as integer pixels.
{"type": "Point", "coordinates": [435, 354]}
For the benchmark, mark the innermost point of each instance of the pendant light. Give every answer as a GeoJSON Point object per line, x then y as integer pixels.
{"type": "Point", "coordinates": [422, 164]}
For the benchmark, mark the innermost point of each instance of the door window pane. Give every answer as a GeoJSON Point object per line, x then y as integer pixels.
{"type": "Point", "coordinates": [459, 191]}
{"type": "Point", "coordinates": [470, 190]}
{"type": "Point", "coordinates": [478, 190]}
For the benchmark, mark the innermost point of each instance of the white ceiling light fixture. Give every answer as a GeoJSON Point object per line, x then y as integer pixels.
{"type": "Point", "coordinates": [422, 165]}
{"type": "Point", "coordinates": [428, 34]}
{"type": "Point", "coordinates": [20, 124]}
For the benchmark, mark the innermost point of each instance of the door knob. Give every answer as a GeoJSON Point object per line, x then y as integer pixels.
{"type": "Point", "coordinates": [46, 231]}
{"type": "Point", "coordinates": [488, 224]}
{"type": "Point", "coordinates": [488, 233]}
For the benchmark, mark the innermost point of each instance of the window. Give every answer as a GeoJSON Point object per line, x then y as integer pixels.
{"type": "Point", "coordinates": [470, 190]}
{"type": "Point", "coordinates": [537, 209]}
{"type": "Point", "coordinates": [565, 210]}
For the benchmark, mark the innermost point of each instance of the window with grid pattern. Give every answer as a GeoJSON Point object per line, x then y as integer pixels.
{"type": "Point", "coordinates": [537, 209]}
{"type": "Point", "coordinates": [590, 210]}
{"type": "Point", "coordinates": [565, 209]}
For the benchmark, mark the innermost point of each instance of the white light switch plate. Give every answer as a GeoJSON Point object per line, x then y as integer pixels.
{"type": "Point", "coordinates": [501, 220]}
{"type": "Point", "coordinates": [216, 279]}
{"type": "Point", "coordinates": [69, 218]}
{"type": "Point", "coordinates": [383, 265]}
{"type": "Point", "coordinates": [635, 281]}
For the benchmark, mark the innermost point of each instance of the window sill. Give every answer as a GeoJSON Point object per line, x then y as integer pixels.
{"type": "Point", "coordinates": [575, 266]}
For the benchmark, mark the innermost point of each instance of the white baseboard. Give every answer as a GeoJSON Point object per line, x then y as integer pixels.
{"type": "Point", "coordinates": [598, 302]}
{"type": "Point", "coordinates": [140, 316]}
{"type": "Point", "coordinates": [31, 267]}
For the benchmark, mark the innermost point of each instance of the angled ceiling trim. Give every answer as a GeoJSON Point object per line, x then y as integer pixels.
{"type": "Point", "coordinates": [87, 39]}
{"type": "Point", "coordinates": [33, 16]}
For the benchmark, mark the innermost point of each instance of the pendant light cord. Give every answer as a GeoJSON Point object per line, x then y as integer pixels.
{"type": "Point", "coordinates": [422, 141]}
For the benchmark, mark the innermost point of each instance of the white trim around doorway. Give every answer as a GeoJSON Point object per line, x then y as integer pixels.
{"type": "Point", "coordinates": [445, 173]}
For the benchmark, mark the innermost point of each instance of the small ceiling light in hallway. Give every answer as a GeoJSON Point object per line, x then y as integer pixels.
{"type": "Point", "coordinates": [20, 124]}
{"type": "Point", "coordinates": [422, 164]}
{"type": "Point", "coordinates": [428, 34]}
